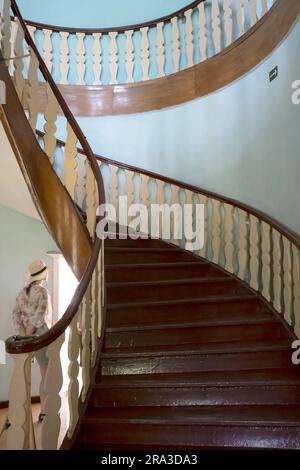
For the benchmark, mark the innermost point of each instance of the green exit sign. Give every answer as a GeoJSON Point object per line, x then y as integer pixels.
{"type": "Point", "coordinates": [273, 74]}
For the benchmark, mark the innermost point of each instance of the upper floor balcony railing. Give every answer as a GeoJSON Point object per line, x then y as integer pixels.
{"type": "Point", "coordinates": [145, 51]}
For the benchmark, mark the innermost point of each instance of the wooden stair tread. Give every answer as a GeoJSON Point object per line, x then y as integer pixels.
{"type": "Point", "coordinates": [204, 348]}
{"type": "Point", "coordinates": [200, 280]}
{"type": "Point", "coordinates": [256, 415]}
{"type": "Point", "coordinates": [259, 318]}
{"type": "Point", "coordinates": [225, 378]}
{"type": "Point", "coordinates": [158, 265]}
{"type": "Point", "coordinates": [211, 298]}
{"type": "Point", "coordinates": [119, 249]}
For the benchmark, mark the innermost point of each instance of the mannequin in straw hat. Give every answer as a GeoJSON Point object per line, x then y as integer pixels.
{"type": "Point", "coordinates": [31, 310]}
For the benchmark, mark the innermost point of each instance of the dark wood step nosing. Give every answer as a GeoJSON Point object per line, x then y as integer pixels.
{"type": "Point", "coordinates": [160, 265]}
{"type": "Point", "coordinates": [222, 422]}
{"type": "Point", "coordinates": [170, 282]}
{"type": "Point", "coordinates": [208, 299]}
{"type": "Point", "coordinates": [159, 384]}
{"type": "Point", "coordinates": [109, 354]}
{"type": "Point", "coordinates": [199, 324]}
{"type": "Point", "coordinates": [133, 249]}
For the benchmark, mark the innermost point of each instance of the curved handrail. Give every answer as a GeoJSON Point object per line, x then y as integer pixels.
{"type": "Point", "coordinates": [147, 51]}
{"type": "Point", "coordinates": [20, 346]}
{"type": "Point", "coordinates": [119, 29]}
{"type": "Point", "coordinates": [284, 230]}
{"type": "Point", "coordinates": [14, 346]}
{"type": "Point", "coordinates": [66, 110]}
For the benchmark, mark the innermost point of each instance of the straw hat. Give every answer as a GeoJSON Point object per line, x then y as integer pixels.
{"type": "Point", "coordinates": [37, 270]}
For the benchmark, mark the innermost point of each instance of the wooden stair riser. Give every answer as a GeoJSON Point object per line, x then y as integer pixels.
{"type": "Point", "coordinates": [155, 292]}
{"type": "Point", "coordinates": [196, 396]}
{"type": "Point", "coordinates": [192, 335]}
{"type": "Point", "coordinates": [174, 313]}
{"type": "Point", "coordinates": [160, 272]}
{"type": "Point", "coordinates": [196, 362]}
{"type": "Point", "coordinates": [189, 437]}
{"type": "Point", "coordinates": [113, 256]}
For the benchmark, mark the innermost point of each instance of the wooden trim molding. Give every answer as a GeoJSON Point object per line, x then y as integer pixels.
{"type": "Point", "coordinates": [200, 80]}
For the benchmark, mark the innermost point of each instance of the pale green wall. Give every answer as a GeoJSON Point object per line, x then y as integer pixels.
{"type": "Point", "coordinates": [97, 13]}
{"type": "Point", "coordinates": [22, 239]}
{"type": "Point", "coordinates": [242, 141]}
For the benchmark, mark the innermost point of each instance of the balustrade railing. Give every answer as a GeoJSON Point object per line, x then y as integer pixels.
{"type": "Point", "coordinates": [80, 328]}
{"type": "Point", "coordinates": [238, 238]}
{"type": "Point", "coordinates": [145, 51]}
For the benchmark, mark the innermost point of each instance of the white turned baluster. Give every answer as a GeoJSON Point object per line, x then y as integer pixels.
{"type": "Point", "coordinates": [99, 291]}
{"type": "Point", "coordinates": [19, 412]}
{"type": "Point", "coordinates": [144, 191]}
{"type": "Point", "coordinates": [189, 220]}
{"type": "Point", "coordinates": [241, 17]}
{"type": "Point", "coordinates": [216, 230]}
{"type": "Point", "coordinates": [18, 63]}
{"type": "Point", "coordinates": [264, 7]}
{"type": "Point", "coordinates": [81, 170]}
{"type": "Point", "coordinates": [129, 56]}
{"type": "Point", "coordinates": [160, 50]}
{"type": "Point", "coordinates": [145, 62]}
{"type": "Point", "coordinates": [32, 90]}
{"type": "Point", "coordinates": [175, 220]}
{"type": "Point", "coordinates": [5, 30]}
{"type": "Point", "coordinates": [189, 39]}
{"type": "Point", "coordinates": [242, 239]}
{"type": "Point", "coordinates": [94, 317]}
{"type": "Point", "coordinates": [50, 126]}
{"type": "Point", "coordinates": [86, 344]}
{"type": "Point", "coordinates": [81, 58]}
{"type": "Point", "coordinates": [277, 275]}
{"type": "Point", "coordinates": [216, 26]}
{"type": "Point", "coordinates": [70, 163]}
{"type": "Point", "coordinates": [113, 57]}
{"type": "Point", "coordinates": [287, 280]}
{"type": "Point", "coordinates": [91, 200]}
{"type": "Point", "coordinates": [296, 285]}
{"type": "Point", "coordinates": [254, 251]}
{"type": "Point", "coordinates": [113, 197]}
{"type": "Point", "coordinates": [97, 58]}
{"type": "Point", "coordinates": [129, 187]}
{"type": "Point", "coordinates": [202, 251]}
{"type": "Point", "coordinates": [202, 32]}
{"type": "Point", "coordinates": [228, 21]}
{"type": "Point", "coordinates": [53, 384]}
{"type": "Point", "coordinates": [73, 371]}
{"type": "Point", "coordinates": [175, 44]}
{"type": "Point", "coordinates": [253, 15]}
{"type": "Point", "coordinates": [266, 261]}
{"type": "Point", "coordinates": [160, 199]}
{"type": "Point", "coordinates": [64, 57]}
{"type": "Point", "coordinates": [228, 229]}
{"type": "Point", "coordinates": [48, 49]}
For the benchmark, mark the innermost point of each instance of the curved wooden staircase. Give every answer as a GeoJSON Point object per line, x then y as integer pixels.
{"type": "Point", "coordinates": [192, 359]}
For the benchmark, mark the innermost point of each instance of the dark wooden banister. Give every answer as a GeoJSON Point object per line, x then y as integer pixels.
{"type": "Point", "coordinates": [292, 236]}
{"type": "Point", "coordinates": [19, 346]}
{"type": "Point", "coordinates": [119, 29]}
{"type": "Point", "coordinates": [64, 107]}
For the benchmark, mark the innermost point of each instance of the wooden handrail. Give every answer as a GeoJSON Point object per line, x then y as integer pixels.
{"type": "Point", "coordinates": [21, 346]}
{"type": "Point", "coordinates": [66, 110]}
{"type": "Point", "coordinates": [119, 29]}
{"type": "Point", "coordinates": [14, 346]}
{"type": "Point", "coordinates": [281, 228]}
